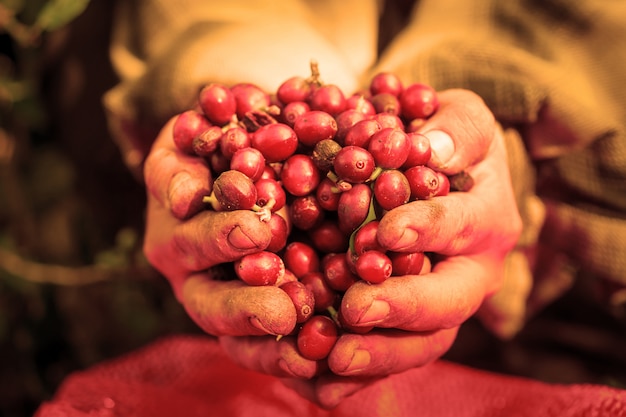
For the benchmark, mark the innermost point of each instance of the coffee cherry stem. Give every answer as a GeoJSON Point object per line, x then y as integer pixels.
{"type": "Point", "coordinates": [371, 216]}
{"type": "Point", "coordinates": [265, 212]}
{"type": "Point", "coordinates": [341, 185]}
{"type": "Point", "coordinates": [314, 79]}
{"type": "Point", "coordinates": [377, 171]}
{"type": "Point", "coordinates": [212, 200]}
{"type": "Point", "coordinates": [334, 314]}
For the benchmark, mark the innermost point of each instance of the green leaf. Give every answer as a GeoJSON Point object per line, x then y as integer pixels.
{"type": "Point", "coordinates": [57, 13]}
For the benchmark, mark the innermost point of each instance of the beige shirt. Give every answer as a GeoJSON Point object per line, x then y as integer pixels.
{"type": "Point", "coordinates": [553, 72]}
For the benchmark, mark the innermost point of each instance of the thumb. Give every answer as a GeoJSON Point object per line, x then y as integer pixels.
{"type": "Point", "coordinates": [460, 132]}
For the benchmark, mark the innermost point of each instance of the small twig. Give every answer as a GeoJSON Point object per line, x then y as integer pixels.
{"type": "Point", "coordinates": [62, 275]}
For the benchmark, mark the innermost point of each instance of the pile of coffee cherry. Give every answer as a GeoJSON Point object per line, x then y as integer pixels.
{"type": "Point", "coordinates": [321, 168]}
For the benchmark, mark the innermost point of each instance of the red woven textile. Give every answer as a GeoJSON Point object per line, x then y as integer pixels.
{"type": "Point", "coordinates": [189, 376]}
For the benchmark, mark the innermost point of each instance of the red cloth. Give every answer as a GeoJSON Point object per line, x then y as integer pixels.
{"type": "Point", "coordinates": [189, 376]}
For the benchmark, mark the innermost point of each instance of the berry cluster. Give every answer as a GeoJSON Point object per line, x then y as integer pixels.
{"type": "Point", "coordinates": [322, 169]}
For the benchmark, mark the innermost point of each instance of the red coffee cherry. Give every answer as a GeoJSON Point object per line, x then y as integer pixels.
{"type": "Point", "coordinates": [374, 267]}
{"type": "Point", "coordinates": [418, 101]}
{"type": "Point", "coordinates": [317, 337]}
{"type": "Point", "coordinates": [187, 126]}
{"type": "Point", "coordinates": [302, 298]}
{"type": "Point", "coordinates": [423, 181]}
{"type": "Point", "coordinates": [276, 141]}
{"type": "Point", "coordinates": [354, 164]}
{"type": "Point", "coordinates": [260, 268]}
{"type": "Point", "coordinates": [217, 103]}
{"type": "Point", "coordinates": [299, 175]}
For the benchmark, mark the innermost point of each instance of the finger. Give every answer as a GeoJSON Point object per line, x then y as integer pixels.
{"type": "Point", "coordinates": [212, 238]}
{"type": "Point", "coordinates": [269, 355]}
{"type": "Point", "coordinates": [460, 222]}
{"type": "Point", "coordinates": [442, 299]}
{"type": "Point", "coordinates": [460, 132]}
{"type": "Point", "coordinates": [328, 391]}
{"type": "Point", "coordinates": [177, 248]}
{"type": "Point", "coordinates": [176, 180]}
{"type": "Point", "coordinates": [386, 352]}
{"type": "Point", "coordinates": [233, 308]}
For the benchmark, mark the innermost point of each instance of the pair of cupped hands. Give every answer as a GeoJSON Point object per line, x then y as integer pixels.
{"type": "Point", "coordinates": [416, 318]}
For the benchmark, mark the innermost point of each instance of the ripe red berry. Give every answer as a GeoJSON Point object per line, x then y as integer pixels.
{"type": "Point", "coordinates": [386, 103]}
{"type": "Point", "coordinates": [373, 266]}
{"type": "Point", "coordinates": [217, 103]}
{"type": "Point", "coordinates": [276, 141]}
{"type": "Point", "coordinates": [280, 233]}
{"type": "Point", "coordinates": [260, 268]}
{"type": "Point", "coordinates": [444, 184]}
{"type": "Point", "coordinates": [305, 212]}
{"type": "Point", "coordinates": [188, 125]}
{"type": "Point", "coordinates": [249, 161]}
{"type": "Point", "coordinates": [327, 237]}
{"type": "Point", "coordinates": [249, 97]}
{"type": "Point", "coordinates": [317, 337]}
{"type": "Point", "coordinates": [292, 111]}
{"type": "Point", "coordinates": [386, 82]}
{"type": "Point", "coordinates": [327, 194]}
{"type": "Point", "coordinates": [234, 139]}
{"type": "Point", "coordinates": [302, 298]}
{"type": "Point", "coordinates": [315, 126]}
{"type": "Point", "coordinates": [345, 120]}
{"type": "Point", "coordinates": [337, 272]}
{"type": "Point", "coordinates": [299, 175]}
{"type": "Point", "coordinates": [269, 191]}
{"type": "Point", "coordinates": [354, 164]}
{"type": "Point", "coordinates": [406, 263]}
{"type": "Point", "coordinates": [423, 181]}
{"type": "Point", "coordinates": [388, 120]}
{"type": "Point", "coordinates": [418, 101]}
{"type": "Point", "coordinates": [361, 103]}
{"type": "Point", "coordinates": [392, 189]}
{"type": "Point", "coordinates": [420, 151]}
{"type": "Point", "coordinates": [389, 148]}
{"type": "Point", "coordinates": [361, 132]}
{"type": "Point", "coordinates": [365, 238]}
{"type": "Point", "coordinates": [353, 207]}
{"type": "Point", "coordinates": [325, 296]}
{"type": "Point", "coordinates": [328, 98]}
{"type": "Point", "coordinates": [301, 258]}
{"type": "Point", "coordinates": [293, 89]}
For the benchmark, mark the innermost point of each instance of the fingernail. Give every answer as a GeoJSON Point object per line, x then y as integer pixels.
{"type": "Point", "coordinates": [255, 322]}
{"type": "Point", "coordinates": [360, 359]}
{"type": "Point", "coordinates": [406, 241]}
{"type": "Point", "coordinates": [442, 147]}
{"type": "Point", "coordinates": [176, 183]}
{"type": "Point", "coordinates": [239, 240]}
{"type": "Point", "coordinates": [377, 312]}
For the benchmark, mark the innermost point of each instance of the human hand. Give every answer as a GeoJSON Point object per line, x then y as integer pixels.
{"type": "Point", "coordinates": [470, 234]}
{"type": "Point", "coordinates": [183, 241]}
{"type": "Point", "coordinates": [416, 317]}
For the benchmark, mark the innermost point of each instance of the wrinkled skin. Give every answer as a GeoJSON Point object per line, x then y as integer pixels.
{"type": "Point", "coordinates": [416, 317]}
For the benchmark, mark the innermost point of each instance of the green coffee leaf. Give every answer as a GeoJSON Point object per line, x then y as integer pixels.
{"type": "Point", "coordinates": [57, 13]}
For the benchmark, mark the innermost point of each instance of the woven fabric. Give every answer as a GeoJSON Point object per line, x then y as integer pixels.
{"type": "Point", "coordinates": [189, 376]}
